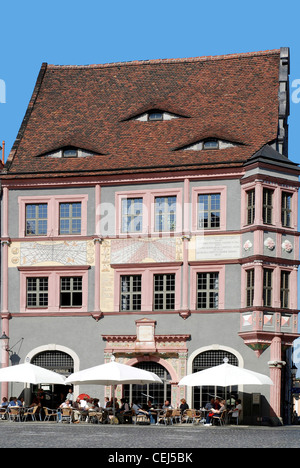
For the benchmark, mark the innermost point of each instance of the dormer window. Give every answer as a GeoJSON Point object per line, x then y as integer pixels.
{"type": "Point", "coordinates": [210, 144]}
{"type": "Point", "coordinates": [70, 153]}
{"type": "Point", "coordinates": [155, 115]}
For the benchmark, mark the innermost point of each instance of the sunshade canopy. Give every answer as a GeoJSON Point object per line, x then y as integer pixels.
{"type": "Point", "coordinates": [29, 373]}
{"type": "Point", "coordinates": [225, 375]}
{"type": "Point", "coordinates": [113, 373]}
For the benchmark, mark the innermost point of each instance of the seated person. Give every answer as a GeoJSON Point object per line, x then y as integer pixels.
{"type": "Point", "coordinates": [236, 411]}
{"type": "Point", "coordinates": [216, 412]}
{"type": "Point", "coordinates": [184, 406]}
{"type": "Point", "coordinates": [4, 403]}
{"type": "Point", "coordinates": [167, 405]}
{"type": "Point", "coordinates": [138, 410]}
{"type": "Point", "coordinates": [124, 413]}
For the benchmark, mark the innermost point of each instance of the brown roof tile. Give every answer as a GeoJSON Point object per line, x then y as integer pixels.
{"type": "Point", "coordinates": [232, 97]}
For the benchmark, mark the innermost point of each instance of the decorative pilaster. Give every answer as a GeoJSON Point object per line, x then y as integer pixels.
{"type": "Point", "coordinates": [276, 365]}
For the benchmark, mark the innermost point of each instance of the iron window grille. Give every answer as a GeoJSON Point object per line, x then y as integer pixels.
{"type": "Point", "coordinates": [157, 393]}
{"type": "Point", "coordinates": [57, 361]}
{"type": "Point", "coordinates": [205, 360]}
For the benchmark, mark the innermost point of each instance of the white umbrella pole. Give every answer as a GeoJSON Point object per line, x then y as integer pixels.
{"type": "Point", "coordinates": [114, 406]}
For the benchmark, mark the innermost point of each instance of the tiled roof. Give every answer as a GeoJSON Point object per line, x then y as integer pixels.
{"type": "Point", "coordinates": [231, 97]}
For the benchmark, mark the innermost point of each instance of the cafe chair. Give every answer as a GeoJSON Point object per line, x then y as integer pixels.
{"type": "Point", "coordinates": [30, 412]}
{"type": "Point", "coordinates": [220, 419]}
{"type": "Point", "coordinates": [50, 413]}
{"type": "Point", "coordinates": [176, 415]}
{"type": "Point", "coordinates": [14, 414]}
{"type": "Point", "coordinates": [189, 415]}
{"type": "Point", "coordinates": [165, 417]}
{"type": "Point", "coordinates": [140, 418]}
{"type": "Point", "coordinates": [66, 415]}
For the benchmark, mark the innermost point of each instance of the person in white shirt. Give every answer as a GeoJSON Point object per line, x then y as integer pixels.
{"type": "Point", "coordinates": [236, 411]}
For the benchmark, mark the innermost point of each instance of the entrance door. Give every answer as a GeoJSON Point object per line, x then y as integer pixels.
{"type": "Point", "coordinates": [157, 393]}
{"type": "Point", "coordinates": [202, 395]}
{"type": "Point", "coordinates": [56, 361]}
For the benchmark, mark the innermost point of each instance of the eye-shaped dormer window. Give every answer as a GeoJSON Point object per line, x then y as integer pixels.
{"type": "Point", "coordinates": [70, 152]}
{"type": "Point", "coordinates": [210, 144]}
{"type": "Point", "coordinates": [155, 115]}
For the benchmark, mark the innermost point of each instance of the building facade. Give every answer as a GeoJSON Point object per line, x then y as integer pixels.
{"type": "Point", "coordinates": [149, 211]}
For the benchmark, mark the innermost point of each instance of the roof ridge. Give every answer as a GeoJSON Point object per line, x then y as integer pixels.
{"type": "Point", "coordinates": [173, 60]}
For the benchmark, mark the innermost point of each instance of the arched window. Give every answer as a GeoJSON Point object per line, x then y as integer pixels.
{"type": "Point", "coordinates": [56, 361]}
{"type": "Point", "coordinates": [157, 393]}
{"type": "Point", "coordinates": [211, 358]}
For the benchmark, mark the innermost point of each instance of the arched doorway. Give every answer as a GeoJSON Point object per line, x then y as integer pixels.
{"type": "Point", "coordinates": [204, 360]}
{"type": "Point", "coordinates": [57, 361]}
{"type": "Point", "coordinates": [157, 393]}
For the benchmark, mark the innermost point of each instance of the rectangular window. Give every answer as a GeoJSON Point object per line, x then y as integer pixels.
{"type": "Point", "coordinates": [284, 289]}
{"type": "Point", "coordinates": [37, 292]}
{"type": "Point", "coordinates": [207, 290]}
{"type": "Point", "coordinates": [165, 214]}
{"type": "Point", "coordinates": [36, 219]}
{"type": "Point", "coordinates": [131, 292]}
{"type": "Point", "coordinates": [267, 287]}
{"type": "Point", "coordinates": [164, 292]}
{"type": "Point", "coordinates": [250, 288]}
{"type": "Point", "coordinates": [267, 205]}
{"type": "Point", "coordinates": [286, 209]}
{"type": "Point", "coordinates": [250, 206]}
{"type": "Point", "coordinates": [70, 218]}
{"type": "Point", "coordinates": [71, 291]}
{"type": "Point", "coordinates": [132, 215]}
{"type": "Point", "coordinates": [209, 211]}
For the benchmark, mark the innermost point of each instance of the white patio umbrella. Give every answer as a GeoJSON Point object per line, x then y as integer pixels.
{"type": "Point", "coordinates": [225, 375]}
{"type": "Point", "coordinates": [29, 373]}
{"type": "Point", "coordinates": [113, 373]}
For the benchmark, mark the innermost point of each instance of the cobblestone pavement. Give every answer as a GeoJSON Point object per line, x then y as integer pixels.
{"type": "Point", "coordinates": [54, 435]}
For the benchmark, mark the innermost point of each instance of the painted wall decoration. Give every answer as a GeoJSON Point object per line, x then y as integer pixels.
{"type": "Point", "coordinates": [139, 250]}
{"type": "Point", "coordinates": [68, 252]}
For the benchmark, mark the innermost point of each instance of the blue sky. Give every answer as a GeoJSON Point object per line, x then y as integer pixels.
{"type": "Point", "coordinates": [98, 31]}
